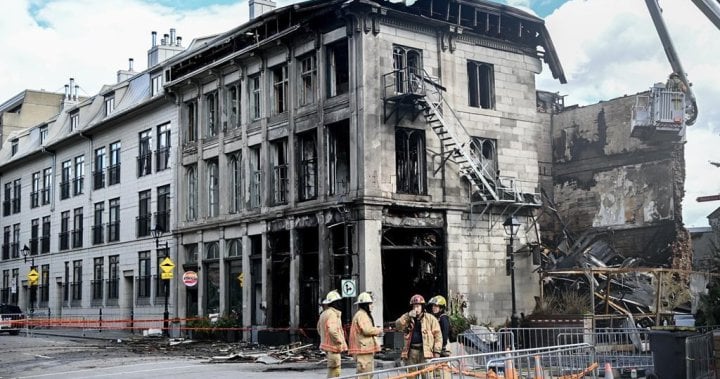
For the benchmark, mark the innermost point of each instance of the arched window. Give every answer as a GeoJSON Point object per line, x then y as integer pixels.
{"type": "Point", "coordinates": [234, 248]}
{"type": "Point", "coordinates": [213, 188]}
{"type": "Point", "coordinates": [212, 251]}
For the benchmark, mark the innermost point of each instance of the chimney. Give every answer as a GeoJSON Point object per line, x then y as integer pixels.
{"type": "Point", "coordinates": [154, 38]}
{"type": "Point", "coordinates": [169, 46]}
{"type": "Point", "coordinates": [258, 7]}
{"type": "Point", "coordinates": [66, 92]}
{"type": "Point", "coordinates": [123, 75]}
{"type": "Point", "coordinates": [75, 97]}
{"type": "Point", "coordinates": [72, 85]}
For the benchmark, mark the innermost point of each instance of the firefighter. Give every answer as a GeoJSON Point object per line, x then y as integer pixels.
{"type": "Point", "coordinates": [332, 337]}
{"type": "Point", "coordinates": [438, 304]}
{"type": "Point", "coordinates": [423, 338]}
{"type": "Point", "coordinates": [674, 83]}
{"type": "Point", "coordinates": [363, 335]}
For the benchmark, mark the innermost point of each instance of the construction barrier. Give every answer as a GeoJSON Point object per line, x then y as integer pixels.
{"type": "Point", "coordinates": [558, 362]}
{"type": "Point", "coordinates": [699, 355]}
{"type": "Point", "coordinates": [624, 349]}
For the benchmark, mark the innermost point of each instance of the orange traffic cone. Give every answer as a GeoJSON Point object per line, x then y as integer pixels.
{"type": "Point", "coordinates": [509, 370]}
{"type": "Point", "coordinates": [609, 371]}
{"type": "Point", "coordinates": [539, 373]}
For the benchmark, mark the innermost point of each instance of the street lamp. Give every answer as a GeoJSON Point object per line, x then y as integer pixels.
{"type": "Point", "coordinates": [33, 284]}
{"type": "Point", "coordinates": [512, 226]}
{"type": "Point", "coordinates": [157, 232]}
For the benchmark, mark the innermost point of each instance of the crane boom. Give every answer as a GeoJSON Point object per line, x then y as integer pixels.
{"type": "Point", "coordinates": [656, 14]}
{"type": "Point", "coordinates": [711, 9]}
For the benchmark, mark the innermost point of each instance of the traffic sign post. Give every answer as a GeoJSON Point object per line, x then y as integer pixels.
{"type": "Point", "coordinates": [348, 288]}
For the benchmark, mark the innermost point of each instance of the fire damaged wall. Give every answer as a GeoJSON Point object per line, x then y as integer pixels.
{"type": "Point", "coordinates": [603, 179]}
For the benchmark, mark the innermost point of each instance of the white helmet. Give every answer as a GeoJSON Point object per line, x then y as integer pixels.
{"type": "Point", "coordinates": [364, 298]}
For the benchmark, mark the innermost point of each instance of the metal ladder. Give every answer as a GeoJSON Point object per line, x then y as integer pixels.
{"type": "Point", "coordinates": [456, 139]}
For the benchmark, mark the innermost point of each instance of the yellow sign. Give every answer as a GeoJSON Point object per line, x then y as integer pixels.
{"type": "Point", "coordinates": [166, 275]}
{"type": "Point", "coordinates": [241, 278]}
{"type": "Point", "coordinates": [33, 277]}
{"type": "Point", "coordinates": [167, 265]}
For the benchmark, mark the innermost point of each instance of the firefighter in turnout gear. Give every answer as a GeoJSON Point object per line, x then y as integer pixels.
{"type": "Point", "coordinates": [437, 308]}
{"type": "Point", "coordinates": [423, 338]}
{"type": "Point", "coordinates": [332, 337]}
{"type": "Point", "coordinates": [363, 335]}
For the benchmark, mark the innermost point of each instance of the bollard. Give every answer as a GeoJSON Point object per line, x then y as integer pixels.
{"type": "Point", "coordinates": [132, 328]}
{"type": "Point", "coordinates": [100, 321]}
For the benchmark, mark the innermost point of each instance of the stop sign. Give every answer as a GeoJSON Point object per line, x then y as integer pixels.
{"type": "Point", "coordinates": [190, 278]}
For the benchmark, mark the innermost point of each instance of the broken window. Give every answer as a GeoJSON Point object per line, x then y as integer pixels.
{"type": "Point", "coordinates": [279, 288]}
{"type": "Point", "coordinates": [280, 171]}
{"type": "Point", "coordinates": [192, 193]}
{"type": "Point", "coordinates": [309, 286]}
{"type": "Point", "coordinates": [338, 68]}
{"type": "Point", "coordinates": [307, 173]}
{"type": "Point", "coordinates": [407, 64]}
{"type": "Point", "coordinates": [484, 152]}
{"type": "Point", "coordinates": [235, 168]}
{"type": "Point", "coordinates": [190, 118]}
{"type": "Point", "coordinates": [255, 177]}
{"type": "Point", "coordinates": [211, 115]}
{"type": "Point", "coordinates": [410, 161]}
{"type": "Point", "coordinates": [481, 85]}
{"type": "Point", "coordinates": [255, 94]}
{"type": "Point", "coordinates": [233, 105]}
{"type": "Point", "coordinates": [338, 158]}
{"type": "Point", "coordinates": [308, 79]}
{"type": "Point", "coordinates": [280, 88]}
{"type": "Point", "coordinates": [256, 287]}
{"type": "Point", "coordinates": [213, 176]}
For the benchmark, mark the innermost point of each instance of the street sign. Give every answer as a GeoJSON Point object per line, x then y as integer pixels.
{"type": "Point", "coordinates": [166, 275]}
{"type": "Point", "coordinates": [167, 265]}
{"type": "Point", "coordinates": [241, 279]}
{"type": "Point", "coordinates": [348, 288]}
{"type": "Point", "coordinates": [190, 278]}
{"type": "Point", "coordinates": [33, 277]}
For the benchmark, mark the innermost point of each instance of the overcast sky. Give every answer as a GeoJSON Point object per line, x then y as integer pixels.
{"type": "Point", "coordinates": [608, 48]}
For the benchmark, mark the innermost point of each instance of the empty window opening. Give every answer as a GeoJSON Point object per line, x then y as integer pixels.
{"type": "Point", "coordinates": [211, 268]}
{"type": "Point", "coordinates": [407, 64]}
{"type": "Point", "coordinates": [280, 89]}
{"type": "Point", "coordinates": [256, 277]}
{"type": "Point", "coordinates": [338, 158]}
{"type": "Point", "coordinates": [309, 288]}
{"type": "Point", "coordinates": [213, 188]}
{"type": "Point", "coordinates": [481, 85]}
{"type": "Point", "coordinates": [410, 163]}
{"type": "Point", "coordinates": [255, 177]}
{"type": "Point", "coordinates": [280, 171]}
{"type": "Point", "coordinates": [211, 115]}
{"type": "Point", "coordinates": [307, 173]}
{"type": "Point", "coordinates": [338, 68]}
{"type": "Point", "coordinates": [308, 80]}
{"type": "Point", "coordinates": [190, 118]}
{"type": "Point", "coordinates": [233, 105]}
{"type": "Point", "coordinates": [255, 96]}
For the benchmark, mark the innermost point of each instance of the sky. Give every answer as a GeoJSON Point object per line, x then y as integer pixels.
{"type": "Point", "coordinates": [608, 48]}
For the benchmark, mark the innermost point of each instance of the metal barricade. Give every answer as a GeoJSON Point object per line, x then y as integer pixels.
{"type": "Point", "coordinates": [699, 356]}
{"type": "Point", "coordinates": [485, 341]}
{"type": "Point", "coordinates": [569, 361]}
{"type": "Point", "coordinates": [623, 349]}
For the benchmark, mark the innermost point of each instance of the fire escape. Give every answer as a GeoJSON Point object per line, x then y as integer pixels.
{"type": "Point", "coordinates": [411, 92]}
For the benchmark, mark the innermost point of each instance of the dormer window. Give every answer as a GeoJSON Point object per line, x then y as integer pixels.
{"type": "Point", "coordinates": [74, 120]}
{"type": "Point", "coordinates": [43, 134]}
{"type": "Point", "coordinates": [157, 83]}
{"type": "Point", "coordinates": [109, 104]}
{"type": "Point", "coordinates": [14, 146]}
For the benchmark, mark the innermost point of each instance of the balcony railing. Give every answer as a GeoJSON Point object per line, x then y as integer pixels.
{"type": "Point", "coordinates": [143, 286]}
{"type": "Point", "coordinates": [77, 240]}
{"type": "Point", "coordinates": [76, 291]}
{"type": "Point", "coordinates": [113, 174]}
{"type": "Point", "coordinates": [162, 159]}
{"type": "Point", "coordinates": [98, 179]}
{"type": "Point", "coordinates": [34, 242]}
{"type": "Point", "coordinates": [15, 249]}
{"type": "Point", "coordinates": [98, 234]}
{"type": "Point", "coordinates": [34, 199]}
{"type": "Point", "coordinates": [44, 244]}
{"type": "Point", "coordinates": [162, 220]}
{"type": "Point", "coordinates": [308, 180]}
{"type": "Point", "coordinates": [280, 183]}
{"type": "Point", "coordinates": [64, 190]}
{"type": "Point", "coordinates": [78, 184]}
{"type": "Point", "coordinates": [255, 187]}
{"type": "Point", "coordinates": [45, 196]}
{"type": "Point", "coordinates": [143, 225]}
{"type": "Point", "coordinates": [144, 164]}
{"type": "Point", "coordinates": [113, 231]}
{"type": "Point", "coordinates": [64, 240]}
{"type": "Point", "coordinates": [97, 289]}
{"type": "Point", "coordinates": [16, 205]}
{"type": "Point", "coordinates": [113, 288]}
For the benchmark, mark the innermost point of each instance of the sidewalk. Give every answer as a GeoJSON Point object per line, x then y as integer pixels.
{"type": "Point", "coordinates": [95, 334]}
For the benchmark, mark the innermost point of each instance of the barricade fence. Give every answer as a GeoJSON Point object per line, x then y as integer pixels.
{"type": "Point", "coordinates": [564, 362]}
{"type": "Point", "coordinates": [699, 354]}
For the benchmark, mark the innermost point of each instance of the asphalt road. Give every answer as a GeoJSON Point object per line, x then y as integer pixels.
{"type": "Point", "coordinates": [58, 357]}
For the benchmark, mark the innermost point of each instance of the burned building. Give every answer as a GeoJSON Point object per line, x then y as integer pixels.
{"type": "Point", "coordinates": [625, 189]}
{"type": "Point", "coordinates": [356, 140]}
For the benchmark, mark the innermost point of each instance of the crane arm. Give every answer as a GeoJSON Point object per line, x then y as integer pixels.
{"type": "Point", "coordinates": [656, 14]}
{"type": "Point", "coordinates": [711, 9]}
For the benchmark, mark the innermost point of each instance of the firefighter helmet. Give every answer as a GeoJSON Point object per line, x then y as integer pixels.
{"type": "Point", "coordinates": [364, 298]}
{"type": "Point", "coordinates": [417, 299]}
{"type": "Point", "coordinates": [438, 300]}
{"type": "Point", "coordinates": [331, 297]}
